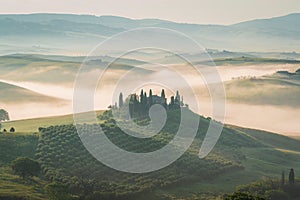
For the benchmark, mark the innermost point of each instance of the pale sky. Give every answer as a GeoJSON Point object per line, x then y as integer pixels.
{"type": "Point", "coordinates": [190, 11]}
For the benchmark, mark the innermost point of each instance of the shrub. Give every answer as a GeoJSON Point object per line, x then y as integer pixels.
{"type": "Point", "coordinates": [12, 130]}
{"type": "Point", "coordinates": [242, 196]}
{"type": "Point", "coordinates": [26, 167]}
{"type": "Point", "coordinates": [57, 191]}
{"type": "Point", "coordinates": [276, 195]}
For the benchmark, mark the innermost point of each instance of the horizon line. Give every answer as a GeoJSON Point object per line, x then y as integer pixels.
{"type": "Point", "coordinates": [137, 19]}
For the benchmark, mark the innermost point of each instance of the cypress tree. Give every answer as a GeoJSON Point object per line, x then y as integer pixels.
{"type": "Point", "coordinates": [131, 105]}
{"type": "Point", "coordinates": [177, 101]}
{"type": "Point", "coordinates": [292, 177]}
{"type": "Point", "coordinates": [135, 101]}
{"type": "Point", "coordinates": [163, 96]}
{"type": "Point", "coordinates": [150, 98]}
{"type": "Point", "coordinates": [142, 97]}
{"type": "Point", "coordinates": [145, 108]}
{"type": "Point", "coordinates": [177, 96]}
{"type": "Point", "coordinates": [121, 102]}
{"type": "Point", "coordinates": [172, 103]}
{"type": "Point", "coordinates": [140, 108]}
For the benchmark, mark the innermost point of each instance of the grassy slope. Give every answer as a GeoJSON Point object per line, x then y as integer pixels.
{"type": "Point", "coordinates": [28, 126]}
{"type": "Point", "coordinates": [13, 146]}
{"type": "Point", "coordinates": [266, 90]}
{"type": "Point", "coordinates": [252, 61]}
{"type": "Point", "coordinates": [277, 153]}
{"type": "Point", "coordinates": [12, 185]}
{"type": "Point", "coordinates": [13, 93]}
{"type": "Point", "coordinates": [296, 137]}
{"type": "Point", "coordinates": [55, 69]}
{"type": "Point", "coordinates": [188, 167]}
{"type": "Point", "coordinates": [35, 69]}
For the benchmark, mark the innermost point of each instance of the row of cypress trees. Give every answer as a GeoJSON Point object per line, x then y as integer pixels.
{"type": "Point", "coordinates": [139, 105]}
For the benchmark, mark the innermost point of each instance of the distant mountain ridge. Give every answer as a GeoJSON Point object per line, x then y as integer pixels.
{"type": "Point", "coordinates": [69, 31]}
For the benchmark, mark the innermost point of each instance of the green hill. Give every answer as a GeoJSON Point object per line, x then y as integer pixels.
{"type": "Point", "coordinates": [13, 146]}
{"type": "Point", "coordinates": [241, 156]}
{"type": "Point", "coordinates": [29, 126]}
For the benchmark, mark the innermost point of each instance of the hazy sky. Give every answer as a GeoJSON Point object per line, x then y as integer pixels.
{"type": "Point", "coordinates": [192, 11]}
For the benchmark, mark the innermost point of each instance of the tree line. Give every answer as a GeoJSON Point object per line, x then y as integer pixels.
{"type": "Point", "coordinates": [139, 105]}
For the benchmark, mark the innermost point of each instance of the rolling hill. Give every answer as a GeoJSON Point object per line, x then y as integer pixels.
{"type": "Point", "coordinates": [16, 94]}
{"type": "Point", "coordinates": [58, 70]}
{"type": "Point", "coordinates": [280, 89]}
{"type": "Point", "coordinates": [241, 155]}
{"type": "Point", "coordinates": [66, 32]}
